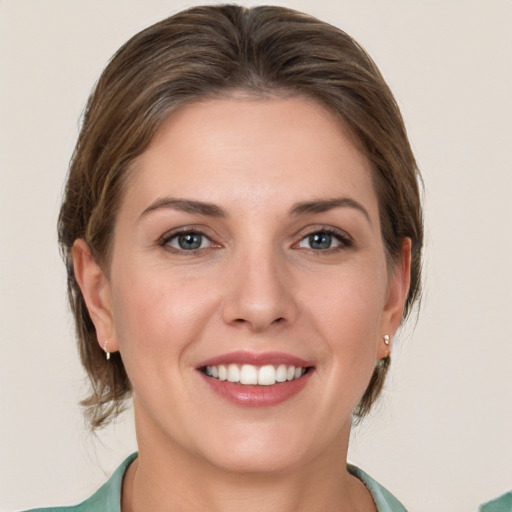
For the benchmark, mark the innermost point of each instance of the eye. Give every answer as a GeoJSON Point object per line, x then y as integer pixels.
{"type": "Point", "coordinates": [324, 240]}
{"type": "Point", "coordinates": [188, 241]}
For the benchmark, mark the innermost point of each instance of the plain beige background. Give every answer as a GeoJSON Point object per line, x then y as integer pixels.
{"type": "Point", "coordinates": [441, 439]}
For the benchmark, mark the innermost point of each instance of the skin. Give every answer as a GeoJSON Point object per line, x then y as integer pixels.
{"type": "Point", "coordinates": [256, 284]}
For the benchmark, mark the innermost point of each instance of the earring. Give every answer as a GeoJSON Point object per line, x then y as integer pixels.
{"type": "Point", "coordinates": [387, 341]}
{"type": "Point", "coordinates": [107, 353]}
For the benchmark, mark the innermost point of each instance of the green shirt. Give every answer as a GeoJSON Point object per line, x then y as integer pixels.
{"type": "Point", "coordinates": [108, 497]}
{"type": "Point", "coordinates": [502, 504]}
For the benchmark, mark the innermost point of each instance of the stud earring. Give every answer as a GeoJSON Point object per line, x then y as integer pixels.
{"type": "Point", "coordinates": [387, 341]}
{"type": "Point", "coordinates": [107, 353]}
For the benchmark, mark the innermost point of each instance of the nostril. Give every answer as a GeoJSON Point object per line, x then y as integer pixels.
{"type": "Point", "coordinates": [279, 320]}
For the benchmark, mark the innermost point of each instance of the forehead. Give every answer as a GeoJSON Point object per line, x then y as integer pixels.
{"type": "Point", "coordinates": [242, 150]}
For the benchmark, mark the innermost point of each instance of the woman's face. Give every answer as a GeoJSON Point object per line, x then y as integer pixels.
{"type": "Point", "coordinates": [248, 246]}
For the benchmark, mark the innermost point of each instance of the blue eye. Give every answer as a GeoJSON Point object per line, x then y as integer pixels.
{"type": "Point", "coordinates": [323, 240]}
{"type": "Point", "coordinates": [190, 241]}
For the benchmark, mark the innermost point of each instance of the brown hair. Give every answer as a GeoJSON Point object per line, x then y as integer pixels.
{"type": "Point", "coordinates": [205, 52]}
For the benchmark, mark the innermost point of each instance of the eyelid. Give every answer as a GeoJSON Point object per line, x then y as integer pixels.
{"type": "Point", "coordinates": [164, 240]}
{"type": "Point", "coordinates": [322, 228]}
{"type": "Point", "coordinates": [345, 239]}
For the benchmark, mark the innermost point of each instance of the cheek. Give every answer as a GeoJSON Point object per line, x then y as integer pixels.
{"type": "Point", "coordinates": [348, 313]}
{"type": "Point", "coordinates": [157, 313]}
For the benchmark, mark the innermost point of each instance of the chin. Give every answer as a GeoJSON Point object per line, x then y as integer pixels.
{"type": "Point", "coordinates": [271, 450]}
{"type": "Point", "coordinates": [250, 462]}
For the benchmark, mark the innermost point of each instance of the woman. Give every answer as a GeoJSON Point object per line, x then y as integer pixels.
{"type": "Point", "coordinates": [242, 232]}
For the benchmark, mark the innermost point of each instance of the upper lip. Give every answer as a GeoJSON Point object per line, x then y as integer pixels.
{"type": "Point", "coordinates": [256, 359]}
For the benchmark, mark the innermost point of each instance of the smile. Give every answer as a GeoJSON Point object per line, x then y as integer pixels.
{"type": "Point", "coordinates": [251, 375]}
{"type": "Point", "coordinates": [258, 380]}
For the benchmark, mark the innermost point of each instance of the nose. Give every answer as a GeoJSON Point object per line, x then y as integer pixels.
{"type": "Point", "coordinates": [260, 292]}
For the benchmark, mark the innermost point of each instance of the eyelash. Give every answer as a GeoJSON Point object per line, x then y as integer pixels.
{"type": "Point", "coordinates": [168, 237]}
{"type": "Point", "coordinates": [344, 240]}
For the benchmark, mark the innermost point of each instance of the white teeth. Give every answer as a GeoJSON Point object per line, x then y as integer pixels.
{"type": "Point", "coordinates": [249, 374]}
{"type": "Point", "coordinates": [267, 376]}
{"type": "Point", "coordinates": [233, 373]}
{"type": "Point", "coordinates": [281, 373]}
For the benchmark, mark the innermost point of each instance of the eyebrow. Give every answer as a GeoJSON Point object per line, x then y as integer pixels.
{"type": "Point", "coordinates": [213, 210]}
{"type": "Point", "coordinates": [324, 205]}
{"type": "Point", "coordinates": [185, 205]}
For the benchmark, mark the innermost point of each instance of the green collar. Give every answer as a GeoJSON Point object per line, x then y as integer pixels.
{"type": "Point", "coordinates": [108, 497]}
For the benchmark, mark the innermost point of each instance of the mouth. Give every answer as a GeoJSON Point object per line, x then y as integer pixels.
{"type": "Point", "coordinates": [256, 380]}
{"type": "Point", "coordinates": [252, 375]}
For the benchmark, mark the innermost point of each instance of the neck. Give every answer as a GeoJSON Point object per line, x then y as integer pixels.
{"type": "Point", "coordinates": [167, 477]}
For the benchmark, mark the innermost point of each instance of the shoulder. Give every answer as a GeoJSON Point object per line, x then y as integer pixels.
{"type": "Point", "coordinates": [106, 498]}
{"type": "Point", "coordinates": [501, 504]}
{"type": "Point", "coordinates": [384, 500]}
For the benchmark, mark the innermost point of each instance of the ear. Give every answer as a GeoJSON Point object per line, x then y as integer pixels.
{"type": "Point", "coordinates": [95, 288]}
{"type": "Point", "coordinates": [398, 288]}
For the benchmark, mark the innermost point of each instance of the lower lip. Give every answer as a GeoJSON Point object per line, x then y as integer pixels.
{"type": "Point", "coordinates": [257, 396]}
